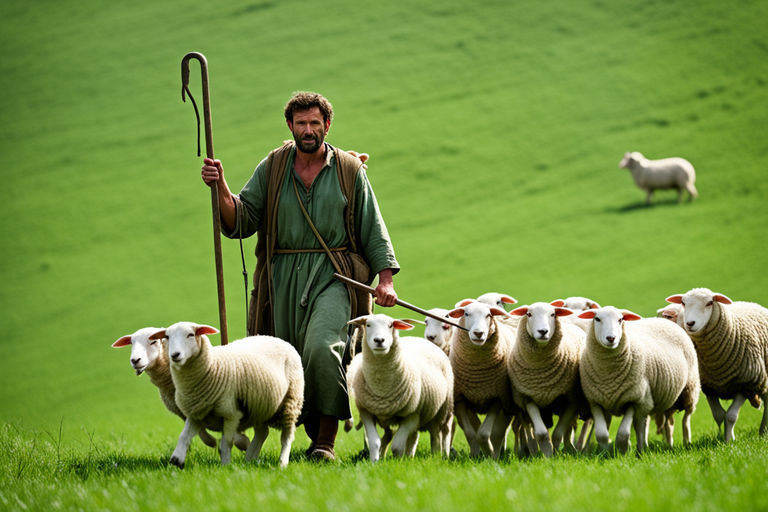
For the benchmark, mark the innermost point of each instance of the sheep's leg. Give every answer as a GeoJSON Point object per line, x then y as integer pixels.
{"type": "Point", "coordinates": [413, 443]}
{"type": "Point", "coordinates": [385, 440]}
{"type": "Point", "coordinates": [540, 429]}
{"type": "Point", "coordinates": [669, 428]}
{"type": "Point", "coordinates": [469, 423]}
{"type": "Point", "coordinates": [179, 455]}
{"type": "Point", "coordinates": [687, 428]}
{"type": "Point", "coordinates": [499, 433]}
{"type": "Point", "coordinates": [260, 433]}
{"type": "Point", "coordinates": [718, 413]}
{"type": "Point", "coordinates": [207, 438]}
{"type": "Point", "coordinates": [486, 430]}
{"type": "Point", "coordinates": [447, 431]}
{"type": "Point", "coordinates": [228, 431]}
{"type": "Point", "coordinates": [624, 432]}
{"type": "Point", "coordinates": [242, 441]}
{"type": "Point", "coordinates": [732, 415]}
{"type": "Point", "coordinates": [374, 441]}
{"type": "Point", "coordinates": [286, 440]}
{"type": "Point", "coordinates": [641, 431]}
{"type": "Point", "coordinates": [764, 423]}
{"type": "Point", "coordinates": [586, 432]}
{"type": "Point", "coordinates": [436, 439]}
{"type": "Point", "coordinates": [602, 434]}
{"type": "Point", "coordinates": [400, 441]}
{"type": "Point", "coordinates": [564, 426]}
{"type": "Point", "coordinates": [648, 194]}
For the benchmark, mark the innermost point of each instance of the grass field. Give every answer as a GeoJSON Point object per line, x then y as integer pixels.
{"type": "Point", "coordinates": [495, 131]}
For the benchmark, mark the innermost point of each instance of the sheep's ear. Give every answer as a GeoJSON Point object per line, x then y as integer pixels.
{"type": "Point", "coordinates": [463, 303]}
{"type": "Point", "coordinates": [506, 299]}
{"type": "Point", "coordinates": [722, 299]}
{"type": "Point", "coordinates": [522, 310]}
{"type": "Point", "coordinates": [158, 335]}
{"type": "Point", "coordinates": [456, 313]}
{"type": "Point", "coordinates": [589, 314]}
{"type": "Point", "coordinates": [629, 316]}
{"type": "Point", "coordinates": [498, 312]}
{"type": "Point", "coordinates": [205, 329]}
{"type": "Point", "coordinates": [593, 305]}
{"type": "Point", "coordinates": [558, 303]}
{"type": "Point", "coordinates": [359, 321]}
{"type": "Point", "coordinates": [125, 340]}
{"type": "Point", "coordinates": [401, 325]}
{"type": "Point", "coordinates": [675, 299]}
{"type": "Point", "coordinates": [563, 311]}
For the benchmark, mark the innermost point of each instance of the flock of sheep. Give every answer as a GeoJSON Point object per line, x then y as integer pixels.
{"type": "Point", "coordinates": [493, 371]}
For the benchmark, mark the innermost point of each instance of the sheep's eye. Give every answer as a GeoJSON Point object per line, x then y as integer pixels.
{"type": "Point", "coordinates": [709, 303]}
{"type": "Point", "coordinates": [153, 342]}
{"type": "Point", "coordinates": [528, 315]}
{"type": "Point", "coordinates": [446, 327]}
{"type": "Point", "coordinates": [190, 335]}
{"type": "Point", "coordinates": [620, 320]}
{"type": "Point", "coordinates": [390, 325]}
{"type": "Point", "coordinates": [552, 315]}
{"type": "Point", "coordinates": [597, 320]}
{"type": "Point", "coordinates": [682, 303]}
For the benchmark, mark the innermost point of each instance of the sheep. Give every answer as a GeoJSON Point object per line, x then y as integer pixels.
{"type": "Point", "coordinates": [543, 367]}
{"type": "Point", "coordinates": [577, 305]}
{"type": "Point", "coordinates": [667, 173]}
{"type": "Point", "coordinates": [731, 340]}
{"type": "Point", "coordinates": [481, 385]}
{"type": "Point", "coordinates": [636, 367]}
{"type": "Point", "coordinates": [673, 312]}
{"type": "Point", "coordinates": [439, 333]}
{"type": "Point", "coordinates": [151, 356]}
{"type": "Point", "coordinates": [253, 382]}
{"type": "Point", "coordinates": [405, 381]}
{"type": "Point", "coordinates": [499, 300]}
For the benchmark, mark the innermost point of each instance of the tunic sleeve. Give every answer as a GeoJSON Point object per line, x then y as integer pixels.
{"type": "Point", "coordinates": [371, 230]}
{"type": "Point", "coordinates": [250, 204]}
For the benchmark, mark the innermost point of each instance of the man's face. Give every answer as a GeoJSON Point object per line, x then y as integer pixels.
{"type": "Point", "coordinates": [309, 129]}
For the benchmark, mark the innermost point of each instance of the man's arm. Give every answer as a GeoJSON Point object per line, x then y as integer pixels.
{"type": "Point", "coordinates": [213, 172]}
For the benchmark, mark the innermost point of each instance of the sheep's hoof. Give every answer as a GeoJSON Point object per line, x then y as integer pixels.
{"type": "Point", "coordinates": [176, 462]}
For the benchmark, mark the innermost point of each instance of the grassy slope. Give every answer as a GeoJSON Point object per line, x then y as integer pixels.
{"type": "Point", "coordinates": [495, 131]}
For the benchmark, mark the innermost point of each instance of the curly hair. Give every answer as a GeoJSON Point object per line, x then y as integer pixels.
{"type": "Point", "coordinates": [303, 100]}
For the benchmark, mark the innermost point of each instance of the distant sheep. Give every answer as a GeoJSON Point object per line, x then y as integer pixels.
{"type": "Point", "coordinates": [667, 173]}
{"type": "Point", "coordinates": [731, 340]}
{"type": "Point", "coordinates": [253, 382]}
{"type": "Point", "coordinates": [151, 356]}
{"type": "Point", "coordinates": [673, 312]}
{"type": "Point", "coordinates": [439, 333]}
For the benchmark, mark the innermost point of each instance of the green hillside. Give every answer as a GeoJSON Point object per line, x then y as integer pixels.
{"type": "Point", "coordinates": [495, 130]}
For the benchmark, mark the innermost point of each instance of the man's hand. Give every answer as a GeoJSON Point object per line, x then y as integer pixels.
{"type": "Point", "coordinates": [212, 171]}
{"type": "Point", "coordinates": [385, 291]}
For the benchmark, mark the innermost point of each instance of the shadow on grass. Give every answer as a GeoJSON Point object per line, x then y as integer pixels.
{"type": "Point", "coordinates": [640, 206]}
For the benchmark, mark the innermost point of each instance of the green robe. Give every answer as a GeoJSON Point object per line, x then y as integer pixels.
{"type": "Point", "coordinates": [310, 307]}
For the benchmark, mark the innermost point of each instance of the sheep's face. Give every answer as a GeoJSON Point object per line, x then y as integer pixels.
{"type": "Point", "coordinates": [435, 331]}
{"type": "Point", "coordinates": [184, 340]}
{"type": "Point", "coordinates": [496, 299]}
{"type": "Point", "coordinates": [673, 313]}
{"type": "Point", "coordinates": [144, 352]}
{"type": "Point", "coordinates": [608, 325]}
{"type": "Point", "coordinates": [698, 305]}
{"type": "Point", "coordinates": [477, 318]}
{"type": "Point", "coordinates": [541, 319]}
{"type": "Point", "coordinates": [380, 332]}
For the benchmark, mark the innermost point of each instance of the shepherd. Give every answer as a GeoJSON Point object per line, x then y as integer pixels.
{"type": "Point", "coordinates": [314, 213]}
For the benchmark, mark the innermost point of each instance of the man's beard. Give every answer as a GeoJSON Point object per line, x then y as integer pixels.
{"type": "Point", "coordinates": [307, 146]}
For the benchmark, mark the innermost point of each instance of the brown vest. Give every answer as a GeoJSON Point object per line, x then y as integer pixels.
{"type": "Point", "coordinates": [351, 262]}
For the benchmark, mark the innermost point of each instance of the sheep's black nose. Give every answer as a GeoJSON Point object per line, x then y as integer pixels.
{"type": "Point", "coordinates": [543, 332]}
{"type": "Point", "coordinates": [175, 356]}
{"type": "Point", "coordinates": [691, 323]}
{"type": "Point", "coordinates": [610, 339]}
{"type": "Point", "coordinates": [135, 360]}
{"type": "Point", "coordinates": [378, 341]}
{"type": "Point", "coordinates": [431, 338]}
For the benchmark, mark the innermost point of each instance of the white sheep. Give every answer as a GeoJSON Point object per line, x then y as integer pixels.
{"type": "Point", "coordinates": [439, 333]}
{"type": "Point", "coordinates": [405, 381]}
{"type": "Point", "coordinates": [253, 382]}
{"type": "Point", "coordinates": [667, 173]}
{"type": "Point", "coordinates": [151, 356]}
{"type": "Point", "coordinates": [577, 305]}
{"type": "Point", "coordinates": [500, 300]}
{"type": "Point", "coordinates": [481, 385]}
{"type": "Point", "coordinates": [637, 367]}
{"type": "Point", "coordinates": [543, 367]}
{"type": "Point", "coordinates": [673, 312]}
{"type": "Point", "coordinates": [731, 340]}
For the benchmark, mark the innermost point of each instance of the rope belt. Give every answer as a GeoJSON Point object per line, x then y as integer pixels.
{"type": "Point", "coordinates": [299, 251]}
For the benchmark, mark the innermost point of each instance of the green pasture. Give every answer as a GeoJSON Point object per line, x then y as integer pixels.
{"type": "Point", "coordinates": [495, 130]}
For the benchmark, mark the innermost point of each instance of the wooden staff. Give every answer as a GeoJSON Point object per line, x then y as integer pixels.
{"type": "Point", "coordinates": [214, 187]}
{"type": "Point", "coordinates": [399, 302]}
